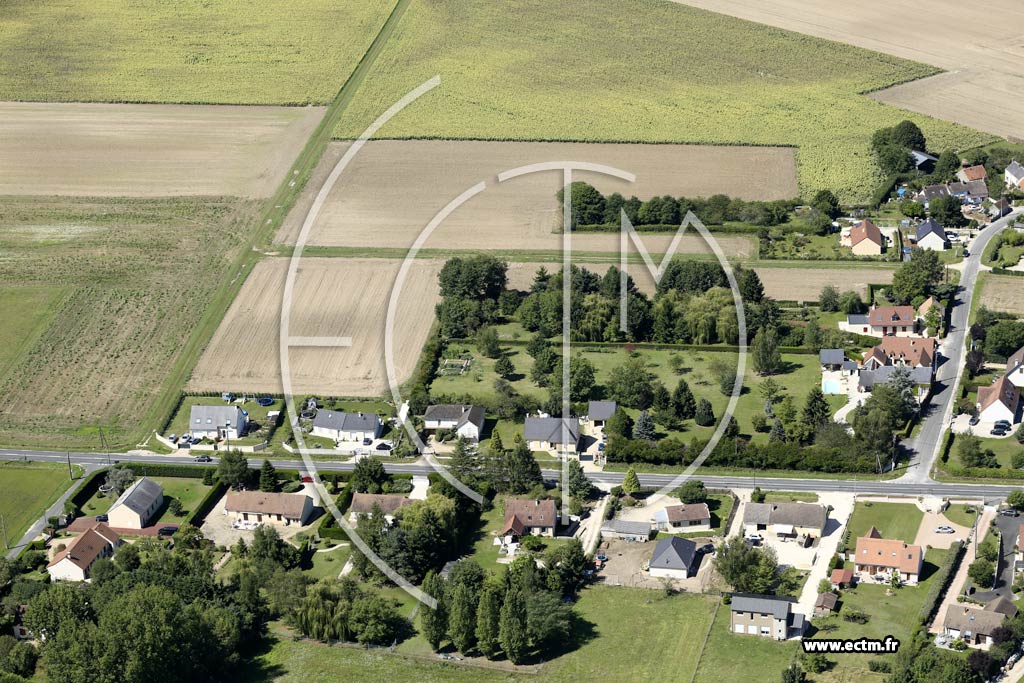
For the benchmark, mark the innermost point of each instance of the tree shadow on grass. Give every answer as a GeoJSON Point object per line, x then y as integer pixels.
{"type": "Point", "coordinates": [255, 668]}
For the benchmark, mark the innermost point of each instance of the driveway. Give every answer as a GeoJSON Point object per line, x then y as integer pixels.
{"type": "Point", "coordinates": [842, 508]}
{"type": "Point", "coordinates": [927, 536]}
{"type": "Point", "coordinates": [956, 586]}
{"type": "Point", "coordinates": [1008, 527]}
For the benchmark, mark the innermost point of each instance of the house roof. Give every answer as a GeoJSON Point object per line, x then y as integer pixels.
{"type": "Point", "coordinates": [362, 503]}
{"type": "Point", "coordinates": [601, 410]}
{"type": "Point", "coordinates": [841, 576]}
{"type": "Point", "coordinates": [779, 607]}
{"type": "Point", "coordinates": [809, 515]}
{"type": "Point", "coordinates": [826, 601]}
{"type": "Point", "coordinates": [83, 550]}
{"type": "Point", "coordinates": [346, 422]}
{"type": "Point", "coordinates": [456, 412]}
{"type": "Point", "coordinates": [684, 513]}
{"type": "Point", "coordinates": [1015, 169]}
{"type": "Point", "coordinates": [140, 496]}
{"type": "Point", "coordinates": [921, 376]}
{"type": "Point", "coordinates": [974, 172]}
{"type": "Point", "coordinates": [210, 417]}
{"type": "Point", "coordinates": [977, 621]}
{"type": "Point", "coordinates": [891, 553]}
{"type": "Point", "coordinates": [673, 553]}
{"type": "Point", "coordinates": [866, 230]}
{"type": "Point", "coordinates": [921, 158]}
{"type": "Point", "coordinates": [523, 514]}
{"type": "Point", "coordinates": [1015, 360]}
{"type": "Point", "coordinates": [290, 505]}
{"type": "Point", "coordinates": [626, 527]}
{"type": "Point", "coordinates": [898, 316]}
{"type": "Point", "coordinates": [930, 192]}
{"type": "Point", "coordinates": [831, 356]}
{"type": "Point", "coordinates": [910, 350]}
{"type": "Point", "coordinates": [930, 226]}
{"type": "Point", "coordinates": [928, 304]}
{"type": "Point", "coordinates": [1003, 606]}
{"type": "Point", "coordinates": [1001, 391]}
{"type": "Point", "coordinates": [550, 429]}
{"type": "Point", "coordinates": [977, 189]}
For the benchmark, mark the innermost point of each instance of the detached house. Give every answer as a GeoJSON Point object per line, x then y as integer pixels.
{"type": "Point", "coordinates": [921, 377]}
{"type": "Point", "coordinates": [882, 321]}
{"type": "Point", "coordinates": [973, 625]}
{"type": "Point", "coordinates": [552, 433]}
{"type": "Point", "coordinates": [599, 412]}
{"type": "Point", "coordinates": [76, 560]}
{"type": "Point", "coordinates": [683, 518]}
{"type": "Point", "coordinates": [930, 235]}
{"type": "Point", "coordinates": [877, 556]}
{"type": "Point", "coordinates": [1015, 368]}
{"type": "Point", "coordinates": [218, 422]}
{"type": "Point", "coordinates": [864, 239]}
{"type": "Point", "coordinates": [276, 508]}
{"type": "Point", "coordinates": [1000, 208]}
{"type": "Point", "coordinates": [970, 173]}
{"type": "Point", "coordinates": [790, 520]}
{"type": "Point", "coordinates": [910, 352]}
{"type": "Point", "coordinates": [387, 503]}
{"type": "Point", "coordinates": [1014, 176]}
{"type": "Point", "coordinates": [339, 426]}
{"type": "Point", "coordinates": [768, 616]}
{"type": "Point", "coordinates": [136, 507]}
{"type": "Point", "coordinates": [998, 401]}
{"type": "Point", "coordinates": [465, 420]}
{"type": "Point", "coordinates": [529, 518]}
{"type": "Point", "coordinates": [673, 558]}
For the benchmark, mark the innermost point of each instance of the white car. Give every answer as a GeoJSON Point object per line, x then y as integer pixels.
{"type": "Point", "coordinates": [944, 529]}
{"type": "Point", "coordinates": [754, 539]}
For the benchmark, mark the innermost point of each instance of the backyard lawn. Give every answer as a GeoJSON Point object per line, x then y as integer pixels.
{"type": "Point", "coordinates": [720, 506]}
{"type": "Point", "coordinates": [329, 563]}
{"type": "Point", "coordinates": [731, 657]}
{"type": "Point", "coordinates": [188, 490]}
{"type": "Point", "coordinates": [26, 490]}
{"type": "Point", "coordinates": [958, 514]}
{"type": "Point", "coordinates": [790, 497]}
{"type": "Point", "coordinates": [893, 520]}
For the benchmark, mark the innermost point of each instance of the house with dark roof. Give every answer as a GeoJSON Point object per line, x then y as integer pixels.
{"type": "Point", "coordinates": [831, 359]}
{"type": "Point", "coordinates": [552, 433]}
{"type": "Point", "coordinates": [930, 235]}
{"type": "Point", "coordinates": [599, 412]}
{"type": "Point", "coordinates": [217, 422]}
{"type": "Point", "coordinates": [387, 503]}
{"type": "Point", "coordinates": [673, 558]}
{"type": "Point", "coordinates": [634, 532]}
{"type": "Point", "coordinates": [768, 616]}
{"type": "Point", "coordinates": [1015, 368]}
{"type": "Point", "coordinates": [137, 506]}
{"type": "Point", "coordinates": [971, 624]}
{"type": "Point", "coordinates": [825, 604]}
{"type": "Point", "coordinates": [930, 192]}
{"type": "Point", "coordinates": [683, 518]}
{"type": "Point", "coordinates": [1000, 208]}
{"type": "Point", "coordinates": [788, 520]}
{"type": "Point", "coordinates": [76, 560]}
{"type": "Point", "coordinates": [467, 421]}
{"type": "Point", "coordinates": [529, 518]}
{"type": "Point", "coordinates": [273, 508]}
{"type": "Point", "coordinates": [921, 377]}
{"type": "Point", "coordinates": [923, 161]}
{"type": "Point", "coordinates": [341, 426]}
{"type": "Point", "coordinates": [999, 401]}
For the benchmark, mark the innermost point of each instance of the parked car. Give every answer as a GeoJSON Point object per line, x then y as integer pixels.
{"type": "Point", "coordinates": [707, 549]}
{"type": "Point", "coordinates": [973, 421]}
{"type": "Point", "coordinates": [600, 447]}
{"type": "Point", "coordinates": [945, 529]}
{"type": "Point", "coordinates": [998, 431]}
{"type": "Point", "coordinates": [172, 438]}
{"type": "Point", "coordinates": [1009, 512]}
{"type": "Point", "coordinates": [383, 447]}
{"type": "Point", "coordinates": [1005, 424]}
{"type": "Point", "coordinates": [203, 458]}
{"type": "Point", "coordinates": [754, 539]}
{"type": "Point", "coordinates": [102, 518]}
{"type": "Point", "coordinates": [167, 531]}
{"type": "Point", "coordinates": [367, 442]}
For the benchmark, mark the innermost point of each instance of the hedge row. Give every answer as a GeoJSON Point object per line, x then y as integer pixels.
{"type": "Point", "coordinates": [941, 582]}
{"type": "Point", "coordinates": [198, 516]}
{"type": "Point", "coordinates": [734, 228]}
{"type": "Point", "coordinates": [328, 527]}
{"type": "Point", "coordinates": [1004, 271]}
{"type": "Point", "coordinates": [651, 346]}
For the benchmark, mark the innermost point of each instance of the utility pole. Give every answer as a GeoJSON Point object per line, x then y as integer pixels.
{"type": "Point", "coordinates": [71, 474]}
{"type": "Point", "coordinates": [103, 445]}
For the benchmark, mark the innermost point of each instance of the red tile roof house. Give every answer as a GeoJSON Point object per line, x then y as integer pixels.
{"type": "Point", "coordinates": [879, 557]}
{"type": "Point", "coordinates": [864, 239]}
{"type": "Point", "coordinates": [909, 351]}
{"type": "Point", "coordinates": [529, 517]}
{"type": "Point", "coordinates": [883, 321]}
{"type": "Point", "coordinates": [972, 173]}
{"type": "Point", "coordinates": [74, 562]}
{"type": "Point", "coordinates": [998, 401]}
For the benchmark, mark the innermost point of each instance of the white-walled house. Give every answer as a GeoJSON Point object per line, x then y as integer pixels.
{"type": "Point", "coordinates": [217, 422]}
{"type": "Point", "coordinates": [136, 507]}
{"type": "Point", "coordinates": [467, 421]}
{"type": "Point", "coordinates": [673, 558]}
{"type": "Point", "coordinates": [1014, 176]}
{"type": "Point", "coordinates": [930, 235]}
{"type": "Point", "coordinates": [998, 401]}
{"type": "Point", "coordinates": [340, 426]}
{"type": "Point", "coordinates": [273, 508]}
{"type": "Point", "coordinates": [1015, 368]}
{"type": "Point", "coordinates": [76, 560]}
{"type": "Point", "coordinates": [552, 433]}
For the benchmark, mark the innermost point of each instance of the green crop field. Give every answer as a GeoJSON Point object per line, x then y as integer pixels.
{"type": "Point", "coordinates": [24, 314]}
{"type": "Point", "coordinates": [643, 71]}
{"type": "Point", "coordinates": [26, 490]}
{"type": "Point", "coordinates": [188, 51]}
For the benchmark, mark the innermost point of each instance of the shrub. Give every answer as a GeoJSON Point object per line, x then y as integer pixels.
{"type": "Point", "coordinates": [855, 616]}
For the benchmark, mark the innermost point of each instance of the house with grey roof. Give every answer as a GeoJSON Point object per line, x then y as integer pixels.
{"type": "Point", "coordinates": [467, 421]}
{"type": "Point", "coordinates": [673, 558]}
{"type": "Point", "coordinates": [683, 518]}
{"type": "Point", "coordinates": [552, 433]}
{"type": "Point", "coordinates": [930, 235]}
{"type": "Point", "coordinates": [768, 616]}
{"type": "Point", "coordinates": [920, 376]}
{"type": "Point", "coordinates": [137, 506]}
{"type": "Point", "coordinates": [599, 412]}
{"type": "Point", "coordinates": [1014, 175]}
{"type": "Point", "coordinates": [634, 532]}
{"type": "Point", "coordinates": [218, 422]}
{"type": "Point", "coordinates": [972, 625]}
{"type": "Point", "coordinates": [341, 426]}
{"type": "Point", "coordinates": [1000, 208]}
{"type": "Point", "coordinates": [785, 519]}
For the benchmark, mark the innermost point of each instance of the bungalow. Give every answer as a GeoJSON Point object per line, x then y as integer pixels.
{"type": "Point", "coordinates": [902, 351]}
{"type": "Point", "coordinates": [677, 518]}
{"type": "Point", "coordinates": [825, 604]}
{"type": "Point", "coordinates": [877, 556]}
{"type": "Point", "coordinates": [970, 173]}
{"type": "Point", "coordinates": [865, 239]}
{"type": "Point", "coordinates": [1000, 208]}
{"type": "Point", "coordinates": [998, 401]}
{"type": "Point", "coordinates": [930, 192]}
{"type": "Point", "coordinates": [930, 235]}
{"type": "Point", "coordinates": [76, 560]}
{"type": "Point", "coordinates": [921, 377]}
{"type": "Point", "coordinates": [218, 422]}
{"type": "Point", "coordinates": [1015, 368]}
{"type": "Point", "coordinates": [262, 507]}
{"type": "Point", "coordinates": [552, 433]}
{"type": "Point", "coordinates": [599, 412]}
{"type": "Point", "coordinates": [789, 520]}
{"type": "Point", "coordinates": [466, 421]}
{"type": "Point", "coordinates": [841, 578]}
{"type": "Point", "coordinates": [972, 625]}
{"type": "Point", "coordinates": [769, 616]}
{"type": "Point", "coordinates": [673, 558]}
{"type": "Point", "coordinates": [1014, 176]}
{"type": "Point", "coordinates": [136, 507]}
{"type": "Point", "coordinates": [970, 192]}
{"type": "Point", "coordinates": [634, 532]}
{"type": "Point", "coordinates": [338, 426]}
{"type": "Point", "coordinates": [529, 518]}
{"type": "Point", "coordinates": [387, 503]}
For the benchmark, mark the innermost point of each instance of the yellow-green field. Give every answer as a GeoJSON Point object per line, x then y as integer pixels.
{"type": "Point", "coordinates": [186, 51]}
{"type": "Point", "coordinates": [24, 312]}
{"type": "Point", "coordinates": [643, 71]}
{"type": "Point", "coordinates": [26, 489]}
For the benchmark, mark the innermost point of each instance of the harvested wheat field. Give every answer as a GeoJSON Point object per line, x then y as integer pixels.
{"type": "Point", "coordinates": [392, 189]}
{"type": "Point", "coordinates": [1002, 293]}
{"type": "Point", "coordinates": [984, 53]}
{"type": "Point", "coordinates": [137, 150]}
{"type": "Point", "coordinates": [333, 297]}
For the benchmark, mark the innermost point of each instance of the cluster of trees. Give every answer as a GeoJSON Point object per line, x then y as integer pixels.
{"type": "Point", "coordinates": [591, 208]}
{"type": "Point", "coordinates": [999, 334]}
{"type": "Point", "coordinates": [892, 146]}
{"type": "Point", "coordinates": [746, 568]}
{"type": "Point", "coordinates": [497, 469]}
{"type": "Point", "coordinates": [519, 614]}
{"type": "Point", "coordinates": [920, 277]}
{"type": "Point", "coordinates": [473, 294]}
{"type": "Point", "coordinates": [342, 609]}
{"type": "Point", "coordinates": [849, 302]}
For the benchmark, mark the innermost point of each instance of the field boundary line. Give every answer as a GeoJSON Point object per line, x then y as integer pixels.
{"type": "Point", "coordinates": [707, 636]}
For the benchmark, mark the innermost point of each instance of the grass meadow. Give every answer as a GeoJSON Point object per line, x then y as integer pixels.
{"type": "Point", "coordinates": [641, 72]}
{"type": "Point", "coordinates": [193, 51]}
{"type": "Point", "coordinates": [893, 520]}
{"type": "Point", "coordinates": [26, 490]}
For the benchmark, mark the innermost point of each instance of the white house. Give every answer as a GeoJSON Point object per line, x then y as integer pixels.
{"type": "Point", "coordinates": [973, 625]}
{"type": "Point", "coordinates": [275, 508]}
{"type": "Point", "coordinates": [347, 426]}
{"type": "Point", "coordinates": [76, 560]}
{"type": "Point", "coordinates": [135, 508]}
{"type": "Point", "coordinates": [1015, 368]}
{"type": "Point", "coordinates": [552, 433]}
{"type": "Point", "coordinates": [466, 421]}
{"type": "Point", "coordinates": [930, 235]}
{"type": "Point", "coordinates": [998, 401]}
{"type": "Point", "coordinates": [218, 422]}
{"type": "Point", "coordinates": [1014, 176]}
{"type": "Point", "coordinates": [387, 503]}
{"type": "Point", "coordinates": [673, 558]}
{"type": "Point", "coordinates": [683, 518]}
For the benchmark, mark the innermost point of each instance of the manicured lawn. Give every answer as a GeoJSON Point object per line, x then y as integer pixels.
{"type": "Point", "coordinates": [720, 505]}
{"type": "Point", "coordinates": [958, 514]}
{"type": "Point", "coordinates": [789, 497]}
{"type": "Point", "coordinates": [189, 491]}
{"type": "Point", "coordinates": [1004, 449]}
{"type": "Point", "coordinates": [732, 657]}
{"type": "Point", "coordinates": [26, 490]}
{"type": "Point", "coordinates": [893, 520]}
{"type": "Point", "coordinates": [329, 564]}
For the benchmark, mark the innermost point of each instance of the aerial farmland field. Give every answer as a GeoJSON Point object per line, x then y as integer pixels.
{"type": "Point", "coordinates": [26, 489]}
{"type": "Point", "coordinates": [392, 189]}
{"type": "Point", "coordinates": [531, 70]}
{"type": "Point", "coordinates": [149, 150]}
{"type": "Point", "coordinates": [214, 51]}
{"type": "Point", "coordinates": [1002, 293]}
{"type": "Point", "coordinates": [333, 297]}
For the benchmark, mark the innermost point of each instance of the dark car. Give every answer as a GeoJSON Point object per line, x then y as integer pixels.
{"type": "Point", "coordinates": [367, 442]}
{"type": "Point", "coordinates": [707, 549]}
{"type": "Point", "coordinates": [973, 421]}
{"type": "Point", "coordinates": [383, 447]}
{"type": "Point", "coordinates": [998, 431]}
{"type": "Point", "coordinates": [167, 531]}
{"type": "Point", "coordinates": [1009, 512]}
{"type": "Point", "coordinates": [1003, 424]}
{"type": "Point", "coordinates": [203, 458]}
{"type": "Point", "coordinates": [102, 518]}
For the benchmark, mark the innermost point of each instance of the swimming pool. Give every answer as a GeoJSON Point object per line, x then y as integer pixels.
{"type": "Point", "coordinates": [831, 386]}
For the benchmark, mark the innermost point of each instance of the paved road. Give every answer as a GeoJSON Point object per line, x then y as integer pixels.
{"type": "Point", "coordinates": [924, 448]}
